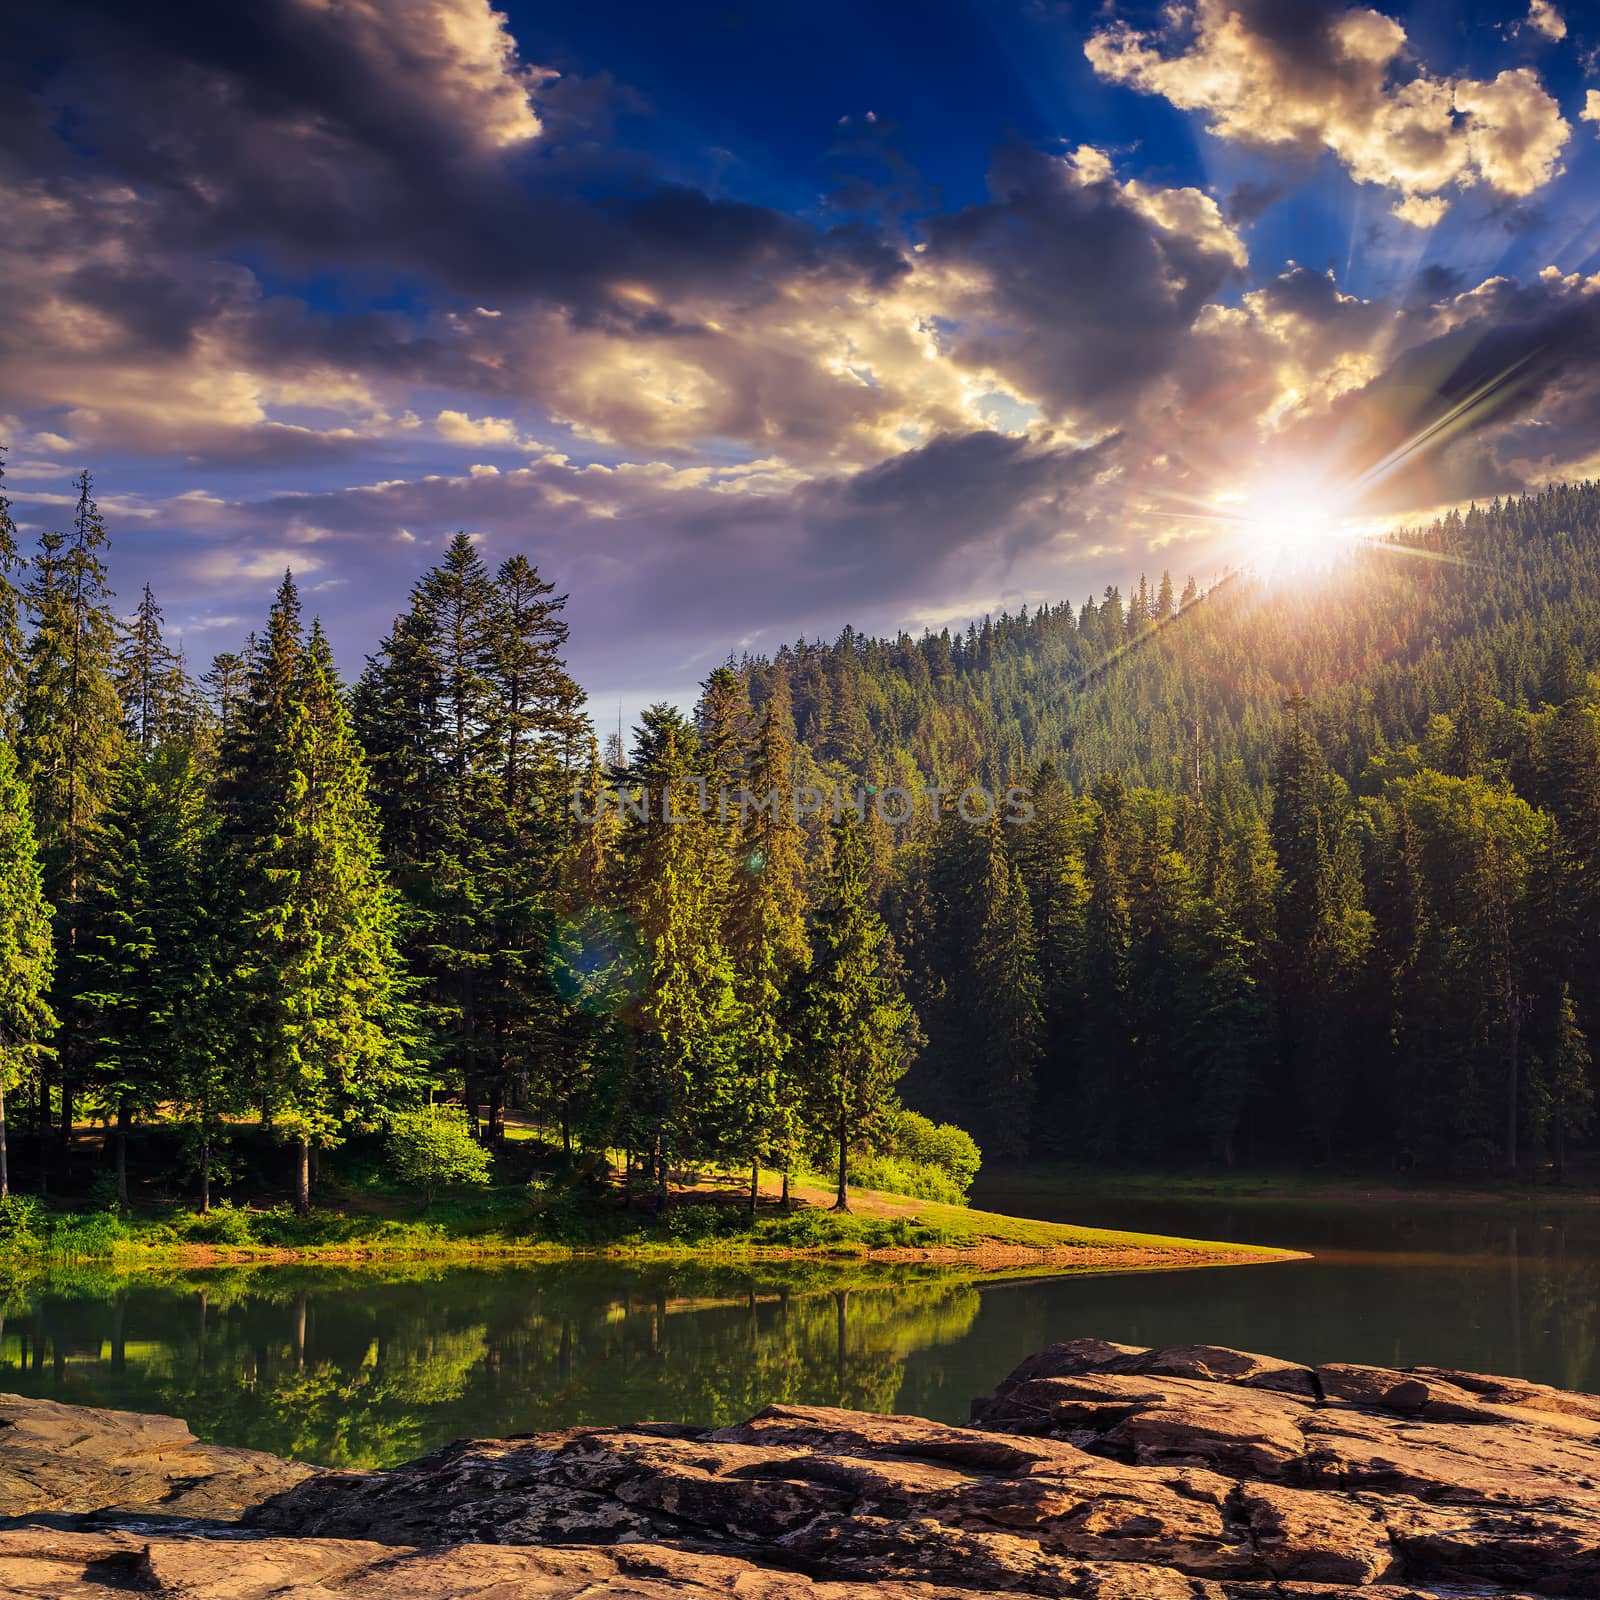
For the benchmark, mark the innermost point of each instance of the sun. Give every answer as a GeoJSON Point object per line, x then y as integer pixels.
{"type": "Point", "coordinates": [1292, 519]}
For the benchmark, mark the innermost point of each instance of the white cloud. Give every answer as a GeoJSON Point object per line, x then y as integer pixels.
{"type": "Point", "coordinates": [1544, 18]}
{"type": "Point", "coordinates": [1591, 109]}
{"type": "Point", "coordinates": [1337, 84]}
{"type": "Point", "coordinates": [456, 427]}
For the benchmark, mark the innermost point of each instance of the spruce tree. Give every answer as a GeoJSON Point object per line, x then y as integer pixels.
{"type": "Point", "coordinates": [27, 952]}
{"type": "Point", "coordinates": [766, 932]}
{"type": "Point", "coordinates": [333, 1034]}
{"type": "Point", "coordinates": [140, 938]}
{"type": "Point", "coordinates": [13, 656]}
{"type": "Point", "coordinates": [71, 737]}
{"type": "Point", "coordinates": [1006, 1006]}
{"type": "Point", "coordinates": [858, 1030]}
{"type": "Point", "coordinates": [157, 697]}
{"type": "Point", "coordinates": [687, 1013]}
{"type": "Point", "coordinates": [429, 709]}
{"type": "Point", "coordinates": [1107, 1014]}
{"type": "Point", "coordinates": [538, 710]}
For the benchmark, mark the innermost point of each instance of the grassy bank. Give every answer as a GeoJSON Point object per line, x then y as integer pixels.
{"type": "Point", "coordinates": [712, 1223]}
{"type": "Point", "coordinates": [1051, 1188]}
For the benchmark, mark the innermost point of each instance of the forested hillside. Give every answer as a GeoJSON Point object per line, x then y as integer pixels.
{"type": "Point", "coordinates": [1388, 638]}
{"type": "Point", "coordinates": [1304, 869]}
{"type": "Point", "coordinates": [1316, 866]}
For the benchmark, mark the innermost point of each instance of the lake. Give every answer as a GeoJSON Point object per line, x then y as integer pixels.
{"type": "Point", "coordinates": [368, 1366]}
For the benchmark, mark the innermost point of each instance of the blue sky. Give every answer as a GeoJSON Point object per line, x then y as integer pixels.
{"type": "Point", "coordinates": [750, 321]}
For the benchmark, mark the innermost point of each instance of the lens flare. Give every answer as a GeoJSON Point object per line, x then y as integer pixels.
{"type": "Point", "coordinates": [1291, 519]}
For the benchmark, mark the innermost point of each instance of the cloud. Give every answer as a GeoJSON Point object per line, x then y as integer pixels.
{"type": "Point", "coordinates": [1591, 107]}
{"type": "Point", "coordinates": [1544, 18]}
{"type": "Point", "coordinates": [1073, 287]}
{"type": "Point", "coordinates": [456, 427]}
{"type": "Point", "coordinates": [1313, 75]}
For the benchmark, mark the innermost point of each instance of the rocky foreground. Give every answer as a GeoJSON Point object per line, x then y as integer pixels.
{"type": "Point", "coordinates": [1094, 1470]}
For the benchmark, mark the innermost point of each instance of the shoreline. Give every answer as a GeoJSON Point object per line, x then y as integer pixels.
{"type": "Point", "coordinates": [984, 1256]}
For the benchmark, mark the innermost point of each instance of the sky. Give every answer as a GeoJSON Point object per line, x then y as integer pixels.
{"type": "Point", "coordinates": [747, 321]}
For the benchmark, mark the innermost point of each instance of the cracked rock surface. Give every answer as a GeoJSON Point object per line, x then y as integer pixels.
{"type": "Point", "coordinates": [1095, 1470]}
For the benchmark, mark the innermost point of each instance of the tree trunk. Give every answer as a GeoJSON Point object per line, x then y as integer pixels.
{"type": "Point", "coordinates": [755, 1185]}
{"type": "Point", "coordinates": [5, 1175]}
{"type": "Point", "coordinates": [41, 1128]}
{"type": "Point", "coordinates": [497, 1113]}
{"type": "Point", "coordinates": [661, 1171]}
{"type": "Point", "coordinates": [124, 1117]}
{"type": "Point", "coordinates": [205, 1169]}
{"type": "Point", "coordinates": [566, 1134]}
{"type": "Point", "coordinates": [1514, 1075]}
{"type": "Point", "coordinates": [66, 1114]}
{"type": "Point", "coordinates": [842, 1201]}
{"type": "Point", "coordinates": [302, 1187]}
{"type": "Point", "coordinates": [785, 1201]}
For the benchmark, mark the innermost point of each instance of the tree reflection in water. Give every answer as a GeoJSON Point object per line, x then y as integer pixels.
{"type": "Point", "coordinates": [364, 1367]}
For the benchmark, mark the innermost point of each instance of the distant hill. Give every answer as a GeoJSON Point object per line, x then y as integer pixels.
{"type": "Point", "coordinates": [1388, 639]}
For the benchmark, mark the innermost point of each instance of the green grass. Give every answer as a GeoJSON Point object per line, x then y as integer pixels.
{"type": "Point", "coordinates": [513, 1223]}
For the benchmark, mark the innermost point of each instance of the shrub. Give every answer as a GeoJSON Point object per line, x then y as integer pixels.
{"type": "Point", "coordinates": [432, 1146]}
{"type": "Point", "coordinates": [224, 1224]}
{"type": "Point", "coordinates": [912, 1178]}
{"type": "Point", "coordinates": [76, 1237]}
{"type": "Point", "coordinates": [21, 1222]}
{"type": "Point", "coordinates": [914, 1137]}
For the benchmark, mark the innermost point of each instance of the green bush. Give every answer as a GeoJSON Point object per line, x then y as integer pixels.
{"type": "Point", "coordinates": [78, 1237]}
{"type": "Point", "coordinates": [433, 1146]}
{"type": "Point", "coordinates": [917, 1140]}
{"type": "Point", "coordinates": [224, 1224]}
{"type": "Point", "coordinates": [913, 1178]}
{"type": "Point", "coordinates": [22, 1223]}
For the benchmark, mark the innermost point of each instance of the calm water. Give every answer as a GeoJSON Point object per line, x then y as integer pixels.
{"type": "Point", "coordinates": [369, 1367]}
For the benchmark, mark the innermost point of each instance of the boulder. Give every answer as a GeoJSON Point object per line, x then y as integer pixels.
{"type": "Point", "coordinates": [1095, 1470]}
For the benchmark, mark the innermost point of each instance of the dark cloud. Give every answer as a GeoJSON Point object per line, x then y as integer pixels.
{"type": "Point", "coordinates": [1090, 295]}
{"type": "Point", "coordinates": [1458, 404]}
{"type": "Point", "coordinates": [294, 129]}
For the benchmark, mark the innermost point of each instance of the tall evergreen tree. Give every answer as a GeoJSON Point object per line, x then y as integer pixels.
{"type": "Point", "coordinates": [687, 1015]}
{"type": "Point", "coordinates": [157, 697]}
{"type": "Point", "coordinates": [858, 1028]}
{"type": "Point", "coordinates": [70, 738]}
{"type": "Point", "coordinates": [333, 1033]}
{"type": "Point", "coordinates": [1006, 1006]}
{"type": "Point", "coordinates": [139, 937]}
{"type": "Point", "coordinates": [766, 932]}
{"type": "Point", "coordinates": [12, 653]}
{"type": "Point", "coordinates": [27, 953]}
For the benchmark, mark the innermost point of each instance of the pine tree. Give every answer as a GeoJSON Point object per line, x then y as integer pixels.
{"type": "Point", "coordinates": [27, 953]}
{"type": "Point", "coordinates": [1568, 1094]}
{"type": "Point", "coordinates": [157, 697]}
{"type": "Point", "coordinates": [1005, 999]}
{"type": "Point", "coordinates": [139, 938]}
{"type": "Point", "coordinates": [333, 1035]}
{"type": "Point", "coordinates": [687, 1016]}
{"type": "Point", "coordinates": [858, 1029]}
{"type": "Point", "coordinates": [70, 737]}
{"type": "Point", "coordinates": [224, 684]}
{"type": "Point", "coordinates": [1322, 927]}
{"type": "Point", "coordinates": [538, 709]}
{"type": "Point", "coordinates": [429, 711]}
{"type": "Point", "coordinates": [540, 705]}
{"type": "Point", "coordinates": [1107, 965]}
{"type": "Point", "coordinates": [766, 932]}
{"type": "Point", "coordinates": [13, 657]}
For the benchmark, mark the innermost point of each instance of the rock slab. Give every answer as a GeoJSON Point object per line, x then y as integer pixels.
{"type": "Point", "coordinates": [1097, 1470]}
